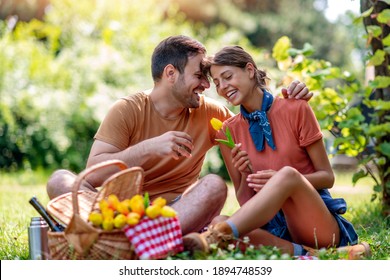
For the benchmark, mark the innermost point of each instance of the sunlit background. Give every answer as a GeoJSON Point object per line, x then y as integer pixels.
{"type": "Point", "coordinates": [56, 90]}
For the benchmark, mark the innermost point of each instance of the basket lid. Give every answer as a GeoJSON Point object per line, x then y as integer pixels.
{"type": "Point", "coordinates": [62, 209]}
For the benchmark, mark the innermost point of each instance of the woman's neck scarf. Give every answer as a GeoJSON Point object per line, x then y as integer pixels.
{"type": "Point", "coordinates": [259, 126]}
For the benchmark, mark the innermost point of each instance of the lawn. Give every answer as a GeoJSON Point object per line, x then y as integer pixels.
{"type": "Point", "coordinates": [16, 212]}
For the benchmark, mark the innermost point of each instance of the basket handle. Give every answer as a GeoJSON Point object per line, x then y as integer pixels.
{"type": "Point", "coordinates": [83, 174]}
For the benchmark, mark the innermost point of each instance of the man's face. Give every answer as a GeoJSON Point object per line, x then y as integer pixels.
{"type": "Point", "coordinates": [191, 83]}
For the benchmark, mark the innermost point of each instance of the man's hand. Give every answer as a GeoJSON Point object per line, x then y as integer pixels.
{"type": "Point", "coordinates": [172, 143]}
{"type": "Point", "coordinates": [297, 90]}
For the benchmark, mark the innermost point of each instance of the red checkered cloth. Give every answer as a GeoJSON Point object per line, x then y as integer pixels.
{"type": "Point", "coordinates": [306, 258]}
{"type": "Point", "coordinates": [155, 238]}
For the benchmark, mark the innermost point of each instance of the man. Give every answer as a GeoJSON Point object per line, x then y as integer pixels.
{"type": "Point", "coordinates": [167, 132]}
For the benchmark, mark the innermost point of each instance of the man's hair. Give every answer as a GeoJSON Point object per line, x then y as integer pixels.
{"type": "Point", "coordinates": [174, 50]}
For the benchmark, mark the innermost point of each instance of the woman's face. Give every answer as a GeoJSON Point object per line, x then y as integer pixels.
{"type": "Point", "coordinates": [232, 83]}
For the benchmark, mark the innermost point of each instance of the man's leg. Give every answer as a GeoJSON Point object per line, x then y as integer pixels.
{"type": "Point", "coordinates": [200, 203]}
{"type": "Point", "coordinates": [61, 181]}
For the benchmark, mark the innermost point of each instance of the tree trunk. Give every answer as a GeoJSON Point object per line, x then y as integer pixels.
{"type": "Point", "coordinates": [380, 93]}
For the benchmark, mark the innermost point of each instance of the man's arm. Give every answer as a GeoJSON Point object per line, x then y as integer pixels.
{"type": "Point", "coordinates": [173, 144]}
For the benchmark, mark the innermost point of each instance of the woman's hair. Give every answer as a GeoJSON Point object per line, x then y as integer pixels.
{"type": "Point", "coordinates": [174, 50]}
{"type": "Point", "coordinates": [238, 57]}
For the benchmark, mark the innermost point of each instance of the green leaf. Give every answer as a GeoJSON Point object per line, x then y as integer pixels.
{"type": "Point", "coordinates": [377, 58]}
{"type": "Point", "coordinates": [384, 16]}
{"type": "Point", "coordinates": [384, 148]}
{"type": "Point", "coordinates": [367, 12]}
{"type": "Point", "coordinates": [378, 105]}
{"type": "Point", "coordinates": [280, 49]}
{"type": "Point", "coordinates": [146, 200]}
{"type": "Point", "coordinates": [227, 143]}
{"type": "Point", "coordinates": [380, 82]}
{"type": "Point", "coordinates": [386, 40]}
{"type": "Point", "coordinates": [374, 30]}
{"type": "Point", "coordinates": [379, 129]}
{"type": "Point", "coordinates": [358, 175]}
{"type": "Point", "coordinates": [229, 136]}
{"type": "Point", "coordinates": [377, 188]}
{"type": "Point", "coordinates": [308, 49]}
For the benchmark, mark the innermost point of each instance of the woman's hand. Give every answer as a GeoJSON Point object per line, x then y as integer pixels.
{"type": "Point", "coordinates": [240, 159]}
{"type": "Point", "coordinates": [259, 179]}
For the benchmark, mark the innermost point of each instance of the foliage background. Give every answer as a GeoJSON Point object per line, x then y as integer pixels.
{"type": "Point", "coordinates": [60, 72]}
{"type": "Point", "coordinates": [59, 75]}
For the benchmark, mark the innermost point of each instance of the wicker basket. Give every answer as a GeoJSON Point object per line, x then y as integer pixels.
{"type": "Point", "coordinates": [81, 240]}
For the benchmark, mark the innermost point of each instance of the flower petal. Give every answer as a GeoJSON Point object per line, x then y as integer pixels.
{"type": "Point", "coordinates": [216, 123]}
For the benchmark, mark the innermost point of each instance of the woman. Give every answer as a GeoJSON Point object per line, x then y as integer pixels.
{"type": "Point", "coordinates": [279, 168]}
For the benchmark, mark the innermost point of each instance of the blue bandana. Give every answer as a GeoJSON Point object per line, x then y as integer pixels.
{"type": "Point", "coordinates": [259, 126]}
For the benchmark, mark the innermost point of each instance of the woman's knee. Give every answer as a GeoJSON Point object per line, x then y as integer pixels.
{"type": "Point", "coordinates": [289, 172]}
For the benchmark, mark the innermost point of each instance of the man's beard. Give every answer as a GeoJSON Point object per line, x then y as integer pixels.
{"type": "Point", "coordinates": [181, 94]}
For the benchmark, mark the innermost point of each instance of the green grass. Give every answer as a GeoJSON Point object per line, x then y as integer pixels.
{"type": "Point", "coordinates": [16, 212]}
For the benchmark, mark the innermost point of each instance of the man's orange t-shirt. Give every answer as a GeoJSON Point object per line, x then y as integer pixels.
{"type": "Point", "coordinates": [294, 127]}
{"type": "Point", "coordinates": [133, 119]}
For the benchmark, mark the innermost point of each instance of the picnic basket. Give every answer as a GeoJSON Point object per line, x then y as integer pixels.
{"type": "Point", "coordinates": [81, 240]}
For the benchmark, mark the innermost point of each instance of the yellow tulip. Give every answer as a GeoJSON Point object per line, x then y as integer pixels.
{"type": "Point", "coordinates": [119, 221]}
{"type": "Point", "coordinates": [103, 204]}
{"type": "Point", "coordinates": [113, 201]}
{"type": "Point", "coordinates": [123, 208]}
{"type": "Point", "coordinates": [137, 206]}
{"type": "Point", "coordinates": [168, 212]}
{"type": "Point", "coordinates": [216, 123]}
{"type": "Point", "coordinates": [137, 197]}
{"type": "Point", "coordinates": [159, 201]}
{"type": "Point", "coordinates": [126, 202]}
{"type": "Point", "coordinates": [96, 218]}
{"type": "Point", "coordinates": [132, 218]}
{"type": "Point", "coordinates": [108, 213]}
{"type": "Point", "coordinates": [153, 211]}
{"type": "Point", "coordinates": [108, 223]}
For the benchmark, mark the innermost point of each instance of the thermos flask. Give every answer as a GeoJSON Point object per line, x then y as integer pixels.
{"type": "Point", "coordinates": [37, 239]}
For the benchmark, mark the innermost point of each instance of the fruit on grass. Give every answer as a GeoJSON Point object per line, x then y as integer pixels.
{"type": "Point", "coordinates": [153, 211]}
{"type": "Point", "coordinates": [96, 218]}
{"type": "Point", "coordinates": [168, 212]}
{"type": "Point", "coordinates": [120, 221]}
